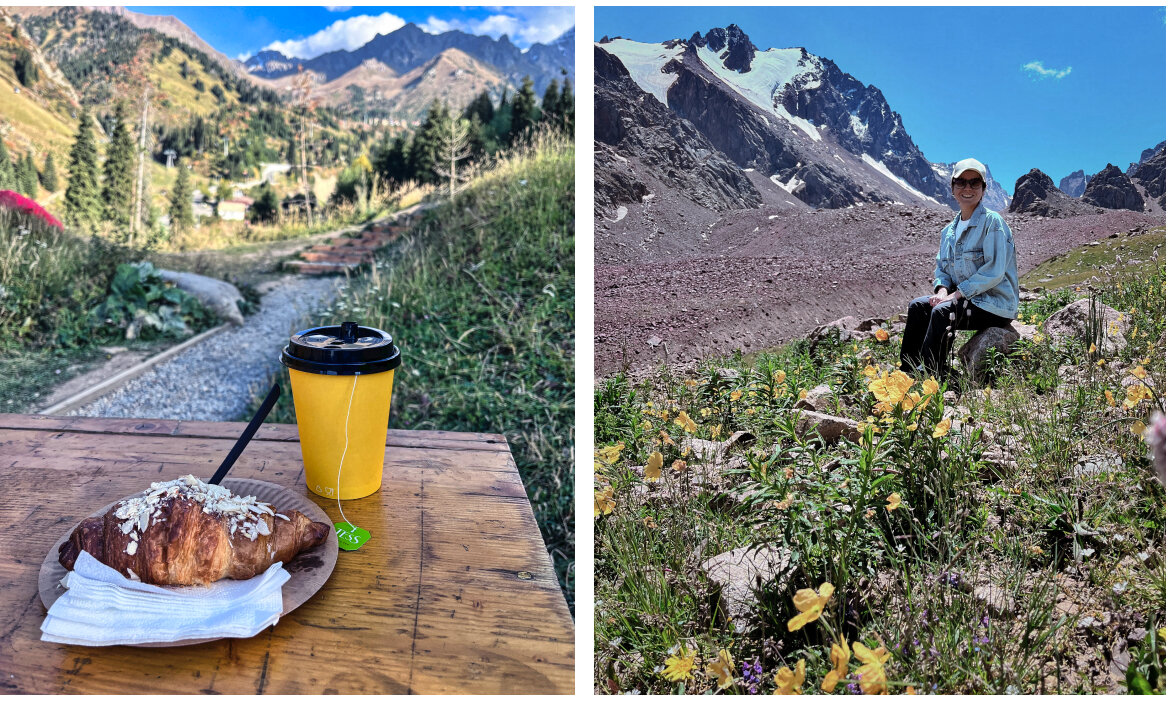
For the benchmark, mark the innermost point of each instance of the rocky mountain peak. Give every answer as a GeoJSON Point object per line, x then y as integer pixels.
{"type": "Point", "coordinates": [1151, 173]}
{"type": "Point", "coordinates": [1144, 157]}
{"type": "Point", "coordinates": [1111, 188]}
{"type": "Point", "coordinates": [732, 40]}
{"type": "Point", "coordinates": [1074, 184]}
{"type": "Point", "coordinates": [1034, 193]}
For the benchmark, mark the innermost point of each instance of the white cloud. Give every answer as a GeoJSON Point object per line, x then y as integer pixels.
{"type": "Point", "coordinates": [349, 34]}
{"type": "Point", "coordinates": [1041, 71]}
{"type": "Point", "coordinates": [524, 25]}
{"type": "Point", "coordinates": [338, 8]}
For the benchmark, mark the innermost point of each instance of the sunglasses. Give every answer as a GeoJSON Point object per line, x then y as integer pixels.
{"type": "Point", "coordinates": [968, 182]}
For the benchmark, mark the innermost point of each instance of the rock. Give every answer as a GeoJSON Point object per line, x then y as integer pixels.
{"type": "Point", "coordinates": [1025, 331]}
{"type": "Point", "coordinates": [713, 457]}
{"type": "Point", "coordinates": [1112, 189]}
{"type": "Point", "coordinates": [974, 355]}
{"type": "Point", "coordinates": [999, 603]}
{"type": "Point", "coordinates": [1035, 194]}
{"type": "Point", "coordinates": [1150, 174]}
{"type": "Point", "coordinates": [817, 399]}
{"type": "Point", "coordinates": [1072, 321]}
{"type": "Point", "coordinates": [218, 296]}
{"type": "Point", "coordinates": [741, 573]}
{"type": "Point", "coordinates": [843, 329]}
{"type": "Point", "coordinates": [1074, 184]}
{"type": "Point", "coordinates": [829, 427]}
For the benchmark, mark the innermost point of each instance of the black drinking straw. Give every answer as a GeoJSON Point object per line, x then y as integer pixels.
{"type": "Point", "coordinates": [257, 420]}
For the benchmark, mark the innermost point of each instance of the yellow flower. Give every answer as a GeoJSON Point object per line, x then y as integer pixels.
{"type": "Point", "coordinates": [1137, 394]}
{"type": "Point", "coordinates": [779, 376]}
{"type": "Point", "coordinates": [646, 425]}
{"type": "Point", "coordinates": [910, 400]}
{"type": "Point", "coordinates": [786, 503]}
{"type": "Point", "coordinates": [810, 604]}
{"type": "Point", "coordinates": [1110, 397]}
{"type": "Point", "coordinates": [840, 656]}
{"type": "Point", "coordinates": [722, 669]}
{"type": "Point", "coordinates": [687, 450]}
{"type": "Point", "coordinates": [1101, 361]}
{"type": "Point", "coordinates": [705, 412]}
{"type": "Point", "coordinates": [891, 388]}
{"type": "Point", "coordinates": [715, 432]}
{"type": "Point", "coordinates": [736, 395]}
{"type": "Point", "coordinates": [679, 666]}
{"type": "Point", "coordinates": [1092, 348]}
{"type": "Point", "coordinates": [690, 383]}
{"type": "Point", "coordinates": [678, 465]}
{"type": "Point", "coordinates": [1138, 428]}
{"type": "Point", "coordinates": [650, 523]}
{"type": "Point", "coordinates": [751, 410]}
{"type": "Point", "coordinates": [910, 690]}
{"type": "Point", "coordinates": [893, 502]}
{"type": "Point", "coordinates": [802, 394]}
{"type": "Point", "coordinates": [872, 677]}
{"type": "Point", "coordinates": [1139, 372]}
{"type": "Point", "coordinates": [931, 386]}
{"type": "Point", "coordinates": [686, 422]}
{"type": "Point", "coordinates": [942, 428]}
{"type": "Point", "coordinates": [610, 454]}
{"type": "Point", "coordinates": [654, 469]}
{"type": "Point", "coordinates": [790, 683]}
{"type": "Point", "coordinates": [604, 501]}
{"type": "Point", "coordinates": [666, 438]}
{"type": "Point", "coordinates": [913, 426]}
{"type": "Point", "coordinates": [870, 371]}
{"type": "Point", "coordinates": [882, 335]}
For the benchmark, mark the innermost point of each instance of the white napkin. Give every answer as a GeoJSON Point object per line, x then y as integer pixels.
{"type": "Point", "coordinates": [104, 608]}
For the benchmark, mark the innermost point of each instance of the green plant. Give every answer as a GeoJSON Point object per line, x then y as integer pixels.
{"type": "Point", "coordinates": [143, 306]}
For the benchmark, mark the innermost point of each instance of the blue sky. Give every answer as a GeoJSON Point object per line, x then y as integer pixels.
{"type": "Point", "coordinates": [1056, 88]}
{"type": "Point", "coordinates": [306, 32]}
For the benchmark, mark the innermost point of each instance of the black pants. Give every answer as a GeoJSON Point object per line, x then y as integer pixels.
{"type": "Point", "coordinates": [927, 339]}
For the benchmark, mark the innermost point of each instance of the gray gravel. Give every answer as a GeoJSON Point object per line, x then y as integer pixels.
{"type": "Point", "coordinates": [216, 379]}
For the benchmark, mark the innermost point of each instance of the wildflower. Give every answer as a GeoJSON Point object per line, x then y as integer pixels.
{"type": "Point", "coordinates": [604, 501]}
{"type": "Point", "coordinates": [810, 604]}
{"type": "Point", "coordinates": [654, 469]}
{"type": "Point", "coordinates": [942, 428]}
{"type": "Point", "coordinates": [790, 682]}
{"type": "Point", "coordinates": [786, 503]}
{"type": "Point", "coordinates": [715, 432]}
{"type": "Point", "coordinates": [666, 438]}
{"type": "Point", "coordinates": [891, 388]}
{"type": "Point", "coordinates": [1138, 428]}
{"type": "Point", "coordinates": [910, 690]}
{"type": "Point", "coordinates": [913, 426]}
{"type": "Point", "coordinates": [751, 675]}
{"type": "Point", "coordinates": [610, 454]}
{"type": "Point", "coordinates": [1100, 362]}
{"type": "Point", "coordinates": [870, 371]}
{"type": "Point", "coordinates": [881, 335]}
{"type": "Point", "coordinates": [1139, 372]}
{"type": "Point", "coordinates": [840, 656]}
{"type": "Point", "coordinates": [1036, 550]}
{"type": "Point", "coordinates": [910, 400]}
{"type": "Point", "coordinates": [870, 513]}
{"type": "Point", "coordinates": [930, 387]}
{"type": "Point", "coordinates": [1091, 349]}
{"type": "Point", "coordinates": [679, 666]}
{"type": "Point", "coordinates": [882, 408]}
{"type": "Point", "coordinates": [1110, 397]}
{"type": "Point", "coordinates": [649, 522]}
{"type": "Point", "coordinates": [789, 473]}
{"type": "Point", "coordinates": [646, 425]}
{"type": "Point", "coordinates": [722, 669]}
{"type": "Point", "coordinates": [779, 376]}
{"type": "Point", "coordinates": [678, 465]}
{"type": "Point", "coordinates": [872, 677]}
{"type": "Point", "coordinates": [686, 422]}
{"type": "Point", "coordinates": [1137, 394]}
{"type": "Point", "coordinates": [893, 502]}
{"type": "Point", "coordinates": [690, 382]}
{"type": "Point", "coordinates": [736, 395]}
{"type": "Point", "coordinates": [802, 394]}
{"type": "Point", "coordinates": [706, 412]}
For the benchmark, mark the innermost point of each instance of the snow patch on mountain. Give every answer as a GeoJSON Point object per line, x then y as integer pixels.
{"type": "Point", "coordinates": [879, 166]}
{"type": "Point", "coordinates": [768, 74]}
{"type": "Point", "coordinates": [645, 63]}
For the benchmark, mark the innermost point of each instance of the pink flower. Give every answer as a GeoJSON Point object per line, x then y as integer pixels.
{"type": "Point", "coordinates": [13, 200]}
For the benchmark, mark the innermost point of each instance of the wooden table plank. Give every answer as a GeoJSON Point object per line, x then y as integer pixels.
{"type": "Point", "coordinates": [454, 592]}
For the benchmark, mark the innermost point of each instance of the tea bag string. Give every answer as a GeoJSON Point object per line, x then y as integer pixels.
{"type": "Point", "coordinates": [345, 446]}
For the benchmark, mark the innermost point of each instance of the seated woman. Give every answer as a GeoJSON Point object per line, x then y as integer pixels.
{"type": "Point", "coordinates": [975, 280]}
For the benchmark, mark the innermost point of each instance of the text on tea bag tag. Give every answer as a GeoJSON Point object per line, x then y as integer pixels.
{"type": "Point", "coordinates": [350, 537]}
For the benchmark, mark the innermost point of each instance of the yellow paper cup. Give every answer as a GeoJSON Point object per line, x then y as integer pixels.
{"type": "Point", "coordinates": [342, 378]}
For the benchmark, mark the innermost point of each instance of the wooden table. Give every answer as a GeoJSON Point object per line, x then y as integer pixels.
{"type": "Point", "coordinates": [453, 593]}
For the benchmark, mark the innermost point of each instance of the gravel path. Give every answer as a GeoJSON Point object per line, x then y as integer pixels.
{"type": "Point", "coordinates": [216, 379]}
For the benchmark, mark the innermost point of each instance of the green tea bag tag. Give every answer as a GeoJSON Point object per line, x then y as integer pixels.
{"type": "Point", "coordinates": [350, 537]}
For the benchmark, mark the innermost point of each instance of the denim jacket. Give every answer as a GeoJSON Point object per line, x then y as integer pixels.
{"type": "Point", "coordinates": [980, 261]}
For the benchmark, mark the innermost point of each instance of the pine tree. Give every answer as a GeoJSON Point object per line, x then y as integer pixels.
{"type": "Point", "coordinates": [452, 149]}
{"type": "Point", "coordinates": [425, 146]}
{"type": "Point", "coordinates": [49, 175]}
{"type": "Point", "coordinates": [481, 107]}
{"type": "Point", "coordinates": [180, 202]}
{"type": "Point", "coordinates": [28, 176]}
{"type": "Point", "coordinates": [7, 169]}
{"type": "Point", "coordinates": [476, 145]}
{"type": "Point", "coordinates": [566, 105]}
{"type": "Point", "coordinates": [524, 107]}
{"type": "Point", "coordinates": [118, 186]}
{"type": "Point", "coordinates": [549, 103]}
{"type": "Point", "coordinates": [82, 204]}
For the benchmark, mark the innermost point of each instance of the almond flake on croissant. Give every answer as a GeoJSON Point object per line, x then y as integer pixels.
{"type": "Point", "coordinates": [186, 532]}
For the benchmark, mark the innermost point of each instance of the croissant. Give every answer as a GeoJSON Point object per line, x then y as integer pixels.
{"type": "Point", "coordinates": [186, 532]}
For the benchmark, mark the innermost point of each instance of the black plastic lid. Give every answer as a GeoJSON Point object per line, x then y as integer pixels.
{"type": "Point", "coordinates": [341, 350]}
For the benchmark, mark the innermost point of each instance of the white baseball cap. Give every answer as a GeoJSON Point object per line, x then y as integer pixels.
{"type": "Point", "coordinates": [970, 164]}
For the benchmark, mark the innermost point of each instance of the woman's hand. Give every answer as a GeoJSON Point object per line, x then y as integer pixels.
{"type": "Point", "coordinates": [940, 298]}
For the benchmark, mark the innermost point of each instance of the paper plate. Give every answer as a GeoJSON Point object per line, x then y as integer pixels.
{"type": "Point", "coordinates": [307, 572]}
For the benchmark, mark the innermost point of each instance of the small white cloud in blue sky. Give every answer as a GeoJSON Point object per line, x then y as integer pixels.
{"type": "Point", "coordinates": [338, 8]}
{"type": "Point", "coordinates": [349, 34]}
{"type": "Point", "coordinates": [1040, 71]}
{"type": "Point", "coordinates": [524, 25]}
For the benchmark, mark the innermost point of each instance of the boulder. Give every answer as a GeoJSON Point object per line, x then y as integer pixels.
{"type": "Point", "coordinates": [740, 574]}
{"type": "Point", "coordinates": [974, 355]}
{"type": "Point", "coordinates": [829, 427]}
{"type": "Point", "coordinates": [1112, 189]}
{"type": "Point", "coordinates": [1072, 321]}
{"type": "Point", "coordinates": [817, 399]}
{"type": "Point", "coordinates": [216, 295]}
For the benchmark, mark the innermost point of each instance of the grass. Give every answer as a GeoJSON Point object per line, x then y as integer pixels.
{"type": "Point", "coordinates": [1082, 265]}
{"type": "Point", "coordinates": [1036, 489]}
{"type": "Point", "coordinates": [480, 299]}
